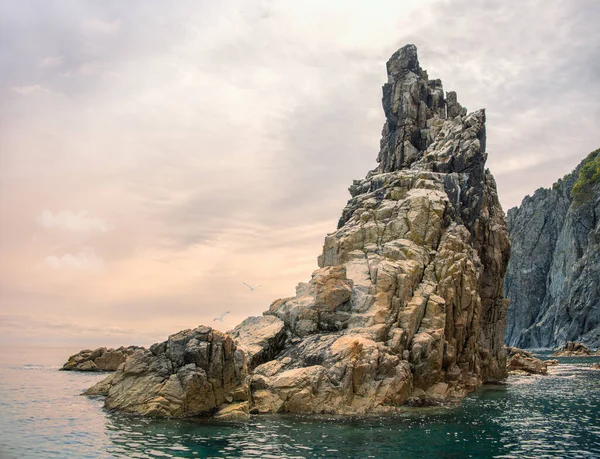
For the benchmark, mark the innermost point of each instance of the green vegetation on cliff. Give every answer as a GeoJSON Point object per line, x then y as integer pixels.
{"type": "Point", "coordinates": [589, 177]}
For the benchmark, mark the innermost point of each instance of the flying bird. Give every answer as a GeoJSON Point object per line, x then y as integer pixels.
{"type": "Point", "coordinates": [220, 318]}
{"type": "Point", "coordinates": [250, 287]}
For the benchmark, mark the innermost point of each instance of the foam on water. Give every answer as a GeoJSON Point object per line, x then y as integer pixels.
{"type": "Point", "coordinates": [42, 415]}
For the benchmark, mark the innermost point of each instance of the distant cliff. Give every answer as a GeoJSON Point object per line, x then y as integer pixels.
{"type": "Point", "coordinates": [553, 276]}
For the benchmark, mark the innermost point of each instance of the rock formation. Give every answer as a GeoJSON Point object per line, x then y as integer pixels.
{"type": "Point", "coordinates": [193, 372]}
{"type": "Point", "coordinates": [572, 349]}
{"type": "Point", "coordinates": [101, 359]}
{"type": "Point", "coordinates": [521, 362]}
{"type": "Point", "coordinates": [407, 303]}
{"type": "Point", "coordinates": [552, 277]}
{"type": "Point", "coordinates": [511, 351]}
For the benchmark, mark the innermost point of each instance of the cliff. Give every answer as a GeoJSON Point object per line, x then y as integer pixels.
{"type": "Point", "coordinates": [553, 274]}
{"type": "Point", "coordinates": [407, 305]}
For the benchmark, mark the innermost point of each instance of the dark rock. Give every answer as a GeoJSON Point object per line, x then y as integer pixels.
{"type": "Point", "coordinates": [552, 277]}
{"type": "Point", "coordinates": [261, 338]}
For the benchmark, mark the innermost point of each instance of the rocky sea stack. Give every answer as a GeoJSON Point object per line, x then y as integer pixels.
{"type": "Point", "coordinates": [552, 278]}
{"type": "Point", "coordinates": [407, 305]}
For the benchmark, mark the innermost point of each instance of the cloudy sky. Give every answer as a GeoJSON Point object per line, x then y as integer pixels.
{"type": "Point", "coordinates": [153, 157]}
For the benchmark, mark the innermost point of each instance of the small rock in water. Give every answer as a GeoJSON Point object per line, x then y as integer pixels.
{"type": "Point", "coordinates": [521, 364]}
{"type": "Point", "coordinates": [573, 349]}
{"type": "Point", "coordinates": [101, 359]}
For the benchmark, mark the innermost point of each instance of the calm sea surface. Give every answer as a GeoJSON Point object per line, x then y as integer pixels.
{"type": "Point", "coordinates": [42, 415]}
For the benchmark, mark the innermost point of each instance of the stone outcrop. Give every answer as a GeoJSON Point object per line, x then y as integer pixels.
{"type": "Point", "coordinates": [552, 277]}
{"type": "Point", "coordinates": [194, 372]}
{"type": "Point", "coordinates": [511, 351]}
{"type": "Point", "coordinates": [572, 349]}
{"type": "Point", "coordinates": [521, 364]}
{"type": "Point", "coordinates": [407, 303]}
{"type": "Point", "coordinates": [101, 359]}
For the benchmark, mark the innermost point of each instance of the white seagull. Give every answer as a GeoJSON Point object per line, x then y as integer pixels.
{"type": "Point", "coordinates": [250, 287]}
{"type": "Point", "coordinates": [220, 318]}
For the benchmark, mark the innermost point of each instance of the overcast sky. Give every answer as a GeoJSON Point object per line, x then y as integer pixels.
{"type": "Point", "coordinates": [154, 156]}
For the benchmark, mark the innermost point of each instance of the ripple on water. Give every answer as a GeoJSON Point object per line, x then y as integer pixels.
{"type": "Point", "coordinates": [43, 416]}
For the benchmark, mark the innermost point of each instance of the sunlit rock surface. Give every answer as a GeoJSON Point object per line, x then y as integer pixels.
{"type": "Point", "coordinates": [407, 303]}
{"type": "Point", "coordinates": [194, 372]}
{"type": "Point", "coordinates": [101, 359]}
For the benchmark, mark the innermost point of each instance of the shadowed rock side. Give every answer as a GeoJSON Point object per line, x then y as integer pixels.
{"type": "Point", "coordinates": [407, 302]}
{"type": "Point", "coordinates": [101, 359]}
{"type": "Point", "coordinates": [552, 277]}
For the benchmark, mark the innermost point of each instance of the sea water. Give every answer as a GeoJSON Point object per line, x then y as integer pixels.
{"type": "Point", "coordinates": [43, 415]}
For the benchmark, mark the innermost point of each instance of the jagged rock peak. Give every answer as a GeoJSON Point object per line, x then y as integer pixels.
{"type": "Point", "coordinates": [411, 103]}
{"type": "Point", "coordinates": [407, 305]}
{"type": "Point", "coordinates": [405, 58]}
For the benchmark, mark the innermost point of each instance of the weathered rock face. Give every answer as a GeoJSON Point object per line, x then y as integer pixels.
{"type": "Point", "coordinates": [407, 303]}
{"type": "Point", "coordinates": [552, 278]}
{"type": "Point", "coordinates": [101, 359]}
{"type": "Point", "coordinates": [408, 298]}
{"type": "Point", "coordinates": [194, 372]}
{"type": "Point", "coordinates": [261, 339]}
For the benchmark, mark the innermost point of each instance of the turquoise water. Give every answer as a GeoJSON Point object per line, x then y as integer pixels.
{"type": "Point", "coordinates": [42, 415]}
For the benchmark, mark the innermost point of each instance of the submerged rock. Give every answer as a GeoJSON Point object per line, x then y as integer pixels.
{"type": "Point", "coordinates": [101, 359]}
{"type": "Point", "coordinates": [552, 277]}
{"type": "Point", "coordinates": [407, 303]}
{"type": "Point", "coordinates": [573, 349]}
